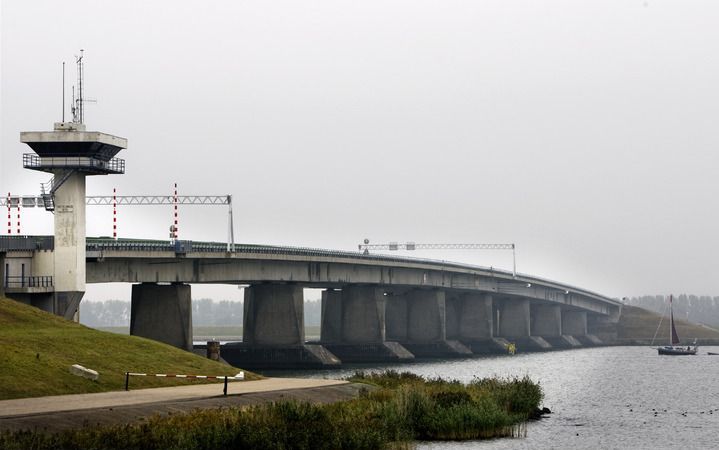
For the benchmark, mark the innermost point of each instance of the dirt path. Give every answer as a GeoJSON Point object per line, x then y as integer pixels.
{"type": "Point", "coordinates": [109, 408]}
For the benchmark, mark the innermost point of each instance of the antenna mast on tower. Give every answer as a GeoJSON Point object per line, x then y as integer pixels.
{"type": "Point", "coordinates": [78, 115]}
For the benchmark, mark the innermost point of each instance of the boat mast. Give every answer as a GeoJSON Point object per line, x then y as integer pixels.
{"type": "Point", "coordinates": [673, 336]}
{"type": "Point", "coordinates": [671, 320]}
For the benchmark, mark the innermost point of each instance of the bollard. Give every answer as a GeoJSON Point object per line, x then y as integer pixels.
{"type": "Point", "coordinates": [225, 390]}
{"type": "Point", "coordinates": [127, 381]}
{"type": "Point", "coordinates": [213, 350]}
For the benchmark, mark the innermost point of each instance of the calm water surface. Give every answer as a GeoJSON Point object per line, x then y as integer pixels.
{"type": "Point", "coordinates": [611, 397]}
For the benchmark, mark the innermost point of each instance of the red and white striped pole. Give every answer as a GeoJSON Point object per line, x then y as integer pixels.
{"type": "Point", "coordinates": [9, 215]}
{"type": "Point", "coordinates": [175, 232]}
{"type": "Point", "coordinates": [114, 213]}
{"type": "Point", "coordinates": [19, 201]}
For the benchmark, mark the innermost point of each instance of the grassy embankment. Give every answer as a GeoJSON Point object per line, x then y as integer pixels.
{"type": "Point", "coordinates": [217, 332]}
{"type": "Point", "coordinates": [37, 350]}
{"type": "Point", "coordinates": [403, 408]}
{"type": "Point", "coordinates": [638, 325]}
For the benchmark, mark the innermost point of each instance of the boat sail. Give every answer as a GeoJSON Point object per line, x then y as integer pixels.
{"type": "Point", "coordinates": [672, 348]}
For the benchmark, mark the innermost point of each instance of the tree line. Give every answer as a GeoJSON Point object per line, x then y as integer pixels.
{"type": "Point", "coordinates": [205, 312]}
{"type": "Point", "coordinates": [693, 308]}
{"type": "Point", "coordinates": [208, 312]}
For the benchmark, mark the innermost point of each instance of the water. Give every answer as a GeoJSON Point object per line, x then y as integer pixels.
{"type": "Point", "coordinates": [609, 397]}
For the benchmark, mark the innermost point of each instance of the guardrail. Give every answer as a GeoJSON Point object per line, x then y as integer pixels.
{"type": "Point", "coordinates": [21, 281]}
{"type": "Point", "coordinates": [33, 161]}
{"type": "Point", "coordinates": [18, 243]}
{"type": "Point", "coordinates": [226, 378]}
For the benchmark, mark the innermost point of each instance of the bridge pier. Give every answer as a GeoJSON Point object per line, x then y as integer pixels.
{"type": "Point", "coordinates": [547, 324]}
{"type": "Point", "coordinates": [470, 321]}
{"type": "Point", "coordinates": [162, 312]}
{"type": "Point", "coordinates": [602, 328]}
{"type": "Point", "coordinates": [396, 317]}
{"type": "Point", "coordinates": [574, 323]}
{"type": "Point", "coordinates": [515, 324]}
{"type": "Point", "coordinates": [426, 327]}
{"type": "Point", "coordinates": [356, 326]}
{"type": "Point", "coordinates": [331, 317]}
{"type": "Point", "coordinates": [273, 334]}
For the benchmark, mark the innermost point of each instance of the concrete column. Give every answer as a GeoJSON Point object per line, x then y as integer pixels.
{"type": "Point", "coordinates": [273, 315]}
{"type": "Point", "coordinates": [453, 304]}
{"type": "Point", "coordinates": [69, 253]}
{"type": "Point", "coordinates": [396, 318]}
{"type": "Point", "coordinates": [514, 318]}
{"type": "Point", "coordinates": [603, 327]}
{"type": "Point", "coordinates": [574, 323]}
{"type": "Point", "coordinates": [331, 329]}
{"type": "Point", "coordinates": [356, 323]}
{"type": "Point", "coordinates": [546, 320]}
{"type": "Point", "coordinates": [162, 313]}
{"type": "Point", "coordinates": [426, 316]}
{"type": "Point", "coordinates": [475, 318]}
{"type": "Point", "coordinates": [363, 314]}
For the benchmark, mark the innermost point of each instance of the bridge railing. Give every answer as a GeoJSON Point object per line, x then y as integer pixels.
{"type": "Point", "coordinates": [10, 243]}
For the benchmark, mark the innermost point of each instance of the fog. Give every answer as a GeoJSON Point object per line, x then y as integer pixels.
{"type": "Point", "coordinates": [583, 132]}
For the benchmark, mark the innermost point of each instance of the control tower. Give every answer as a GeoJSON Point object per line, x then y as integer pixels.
{"type": "Point", "coordinates": [70, 154]}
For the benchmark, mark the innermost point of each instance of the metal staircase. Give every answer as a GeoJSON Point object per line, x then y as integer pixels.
{"type": "Point", "coordinates": [47, 190]}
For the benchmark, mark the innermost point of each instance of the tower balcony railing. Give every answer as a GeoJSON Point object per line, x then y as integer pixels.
{"type": "Point", "coordinates": [82, 163]}
{"type": "Point", "coordinates": [19, 281]}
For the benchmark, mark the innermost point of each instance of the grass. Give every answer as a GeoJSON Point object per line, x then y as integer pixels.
{"type": "Point", "coordinates": [641, 324]}
{"type": "Point", "coordinates": [37, 349]}
{"type": "Point", "coordinates": [216, 332]}
{"type": "Point", "coordinates": [401, 409]}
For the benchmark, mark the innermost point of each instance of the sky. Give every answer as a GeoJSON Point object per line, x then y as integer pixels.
{"type": "Point", "coordinates": [583, 132]}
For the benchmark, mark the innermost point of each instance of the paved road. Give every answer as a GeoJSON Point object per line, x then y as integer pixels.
{"type": "Point", "coordinates": [71, 411]}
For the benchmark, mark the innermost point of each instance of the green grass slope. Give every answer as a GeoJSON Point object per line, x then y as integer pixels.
{"type": "Point", "coordinates": [37, 350]}
{"type": "Point", "coordinates": [638, 324]}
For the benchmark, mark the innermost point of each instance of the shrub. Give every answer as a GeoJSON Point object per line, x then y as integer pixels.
{"type": "Point", "coordinates": [402, 407]}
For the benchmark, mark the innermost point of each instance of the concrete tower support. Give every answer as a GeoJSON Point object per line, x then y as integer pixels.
{"type": "Point", "coordinates": [546, 320]}
{"type": "Point", "coordinates": [426, 316]}
{"type": "Point", "coordinates": [69, 254]}
{"type": "Point", "coordinates": [363, 314]}
{"type": "Point", "coordinates": [274, 315]}
{"type": "Point", "coordinates": [514, 318]}
{"type": "Point", "coordinates": [574, 323]}
{"type": "Point", "coordinates": [162, 313]}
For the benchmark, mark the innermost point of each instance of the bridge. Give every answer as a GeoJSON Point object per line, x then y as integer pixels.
{"type": "Point", "coordinates": [374, 307]}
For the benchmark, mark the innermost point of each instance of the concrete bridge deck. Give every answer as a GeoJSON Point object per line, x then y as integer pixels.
{"type": "Point", "coordinates": [373, 306]}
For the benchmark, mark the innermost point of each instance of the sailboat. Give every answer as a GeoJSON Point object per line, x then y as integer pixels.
{"type": "Point", "coordinates": [672, 348]}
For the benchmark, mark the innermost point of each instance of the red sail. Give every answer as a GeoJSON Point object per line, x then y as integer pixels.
{"type": "Point", "coordinates": [674, 336]}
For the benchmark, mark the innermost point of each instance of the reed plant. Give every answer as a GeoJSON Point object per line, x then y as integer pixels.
{"type": "Point", "coordinates": [396, 410]}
